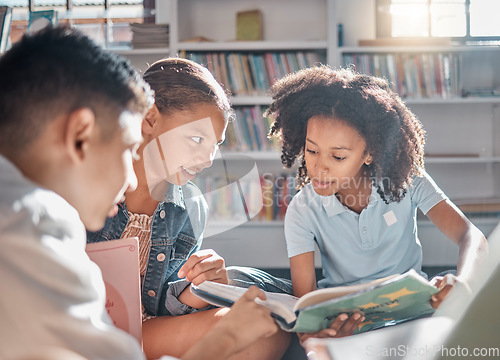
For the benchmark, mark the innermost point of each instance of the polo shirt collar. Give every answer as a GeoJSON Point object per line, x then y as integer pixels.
{"type": "Point", "coordinates": [333, 206]}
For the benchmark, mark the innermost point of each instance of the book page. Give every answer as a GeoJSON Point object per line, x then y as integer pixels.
{"type": "Point", "coordinates": [322, 295]}
{"type": "Point", "coordinates": [212, 292]}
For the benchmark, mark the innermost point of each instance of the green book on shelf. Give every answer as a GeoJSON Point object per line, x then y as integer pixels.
{"type": "Point", "coordinates": [249, 25]}
{"type": "Point", "coordinates": [383, 302]}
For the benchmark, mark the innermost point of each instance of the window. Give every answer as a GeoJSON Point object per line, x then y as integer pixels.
{"type": "Point", "coordinates": [465, 20]}
{"type": "Point", "coordinates": [106, 21]}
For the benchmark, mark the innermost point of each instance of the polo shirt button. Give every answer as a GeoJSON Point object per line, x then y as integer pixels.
{"type": "Point", "coordinates": [160, 257]}
{"type": "Point", "coordinates": [152, 293]}
{"type": "Point", "coordinates": [162, 214]}
{"type": "Point", "coordinates": [364, 230]}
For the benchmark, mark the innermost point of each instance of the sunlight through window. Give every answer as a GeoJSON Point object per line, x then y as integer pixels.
{"type": "Point", "coordinates": [445, 18]}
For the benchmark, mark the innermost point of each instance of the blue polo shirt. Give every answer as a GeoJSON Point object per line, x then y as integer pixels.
{"type": "Point", "coordinates": [382, 240]}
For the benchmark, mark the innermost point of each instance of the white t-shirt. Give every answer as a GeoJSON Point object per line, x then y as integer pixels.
{"type": "Point", "coordinates": [52, 295]}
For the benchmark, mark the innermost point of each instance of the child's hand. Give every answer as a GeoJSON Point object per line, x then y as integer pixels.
{"type": "Point", "coordinates": [444, 284]}
{"type": "Point", "coordinates": [340, 327]}
{"type": "Point", "coordinates": [204, 265]}
{"type": "Point", "coordinates": [248, 321]}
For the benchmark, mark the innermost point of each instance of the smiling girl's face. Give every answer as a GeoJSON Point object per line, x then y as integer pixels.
{"type": "Point", "coordinates": [334, 154]}
{"type": "Point", "coordinates": [185, 142]}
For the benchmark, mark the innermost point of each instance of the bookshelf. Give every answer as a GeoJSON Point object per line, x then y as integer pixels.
{"type": "Point", "coordinates": [463, 134]}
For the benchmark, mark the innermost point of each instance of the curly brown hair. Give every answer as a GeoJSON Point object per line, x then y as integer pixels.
{"type": "Point", "coordinates": [394, 136]}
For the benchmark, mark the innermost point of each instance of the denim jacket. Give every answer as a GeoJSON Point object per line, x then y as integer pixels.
{"type": "Point", "coordinates": [176, 232]}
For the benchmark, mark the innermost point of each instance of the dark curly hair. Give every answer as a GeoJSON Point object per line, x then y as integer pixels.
{"type": "Point", "coordinates": [394, 136]}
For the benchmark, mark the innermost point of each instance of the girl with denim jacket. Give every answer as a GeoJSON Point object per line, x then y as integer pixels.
{"type": "Point", "coordinates": [168, 213]}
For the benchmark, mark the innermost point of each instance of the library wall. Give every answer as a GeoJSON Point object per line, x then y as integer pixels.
{"type": "Point", "coordinates": [463, 147]}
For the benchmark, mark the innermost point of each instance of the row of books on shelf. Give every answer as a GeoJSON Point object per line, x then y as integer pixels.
{"type": "Point", "coordinates": [263, 198]}
{"type": "Point", "coordinates": [253, 73]}
{"type": "Point", "coordinates": [248, 131]}
{"type": "Point", "coordinates": [413, 75]}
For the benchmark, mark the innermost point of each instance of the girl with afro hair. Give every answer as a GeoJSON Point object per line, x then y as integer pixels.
{"type": "Point", "coordinates": [361, 177]}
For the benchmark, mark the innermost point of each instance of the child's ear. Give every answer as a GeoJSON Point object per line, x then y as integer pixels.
{"type": "Point", "coordinates": [368, 159]}
{"type": "Point", "coordinates": [79, 128]}
{"type": "Point", "coordinates": [150, 119]}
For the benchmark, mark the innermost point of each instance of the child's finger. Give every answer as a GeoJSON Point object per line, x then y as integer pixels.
{"type": "Point", "coordinates": [351, 324]}
{"type": "Point", "coordinates": [254, 292]}
{"type": "Point", "coordinates": [338, 322]}
{"type": "Point", "coordinates": [436, 281]}
{"type": "Point", "coordinates": [192, 261]}
{"type": "Point", "coordinates": [211, 268]}
{"type": "Point", "coordinates": [212, 274]}
{"type": "Point", "coordinates": [437, 298]}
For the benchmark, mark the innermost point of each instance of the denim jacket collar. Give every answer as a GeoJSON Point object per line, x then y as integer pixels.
{"type": "Point", "coordinates": [174, 196]}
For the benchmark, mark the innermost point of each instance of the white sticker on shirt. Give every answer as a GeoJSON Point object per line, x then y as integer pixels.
{"type": "Point", "coordinates": [390, 218]}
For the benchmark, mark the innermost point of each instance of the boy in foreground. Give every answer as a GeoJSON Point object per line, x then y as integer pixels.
{"type": "Point", "coordinates": [70, 122]}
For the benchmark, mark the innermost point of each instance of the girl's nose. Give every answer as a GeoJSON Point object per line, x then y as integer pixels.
{"type": "Point", "coordinates": [206, 156]}
{"type": "Point", "coordinates": [322, 165]}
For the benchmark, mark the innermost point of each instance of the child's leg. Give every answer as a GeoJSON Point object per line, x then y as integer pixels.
{"type": "Point", "coordinates": [243, 276]}
{"type": "Point", "coordinates": [174, 335]}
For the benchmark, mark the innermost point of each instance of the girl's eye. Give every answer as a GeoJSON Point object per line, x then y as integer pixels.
{"type": "Point", "coordinates": [338, 158]}
{"type": "Point", "coordinates": [197, 139]}
{"type": "Point", "coordinates": [311, 151]}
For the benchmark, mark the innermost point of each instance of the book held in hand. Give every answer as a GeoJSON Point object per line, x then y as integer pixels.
{"type": "Point", "coordinates": [383, 302]}
{"type": "Point", "coordinates": [119, 264]}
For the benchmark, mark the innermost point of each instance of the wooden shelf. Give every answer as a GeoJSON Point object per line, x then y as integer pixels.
{"type": "Point", "coordinates": [462, 160]}
{"type": "Point", "coordinates": [417, 49]}
{"type": "Point", "coordinates": [252, 45]}
{"type": "Point", "coordinates": [250, 100]}
{"type": "Point", "coordinates": [453, 101]}
{"type": "Point", "coordinates": [126, 50]}
{"type": "Point", "coordinates": [266, 100]}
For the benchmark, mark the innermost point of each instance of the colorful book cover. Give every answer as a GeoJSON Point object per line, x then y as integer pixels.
{"type": "Point", "coordinates": [384, 302]}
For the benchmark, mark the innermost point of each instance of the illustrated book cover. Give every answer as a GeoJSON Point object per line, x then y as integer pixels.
{"type": "Point", "coordinates": [119, 264]}
{"type": "Point", "coordinates": [383, 302]}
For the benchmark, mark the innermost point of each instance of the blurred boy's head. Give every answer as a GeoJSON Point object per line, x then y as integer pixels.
{"type": "Point", "coordinates": [70, 116]}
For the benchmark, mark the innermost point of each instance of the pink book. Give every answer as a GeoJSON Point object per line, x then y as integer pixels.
{"type": "Point", "coordinates": [119, 263]}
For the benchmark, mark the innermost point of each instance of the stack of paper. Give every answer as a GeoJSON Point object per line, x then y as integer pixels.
{"type": "Point", "coordinates": [149, 35]}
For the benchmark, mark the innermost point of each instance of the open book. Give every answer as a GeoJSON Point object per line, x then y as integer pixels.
{"type": "Point", "coordinates": [383, 302]}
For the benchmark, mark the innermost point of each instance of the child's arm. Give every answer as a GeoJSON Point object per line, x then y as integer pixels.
{"type": "Point", "coordinates": [302, 273]}
{"type": "Point", "coordinates": [201, 266]}
{"type": "Point", "coordinates": [472, 244]}
{"type": "Point", "coordinates": [304, 281]}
